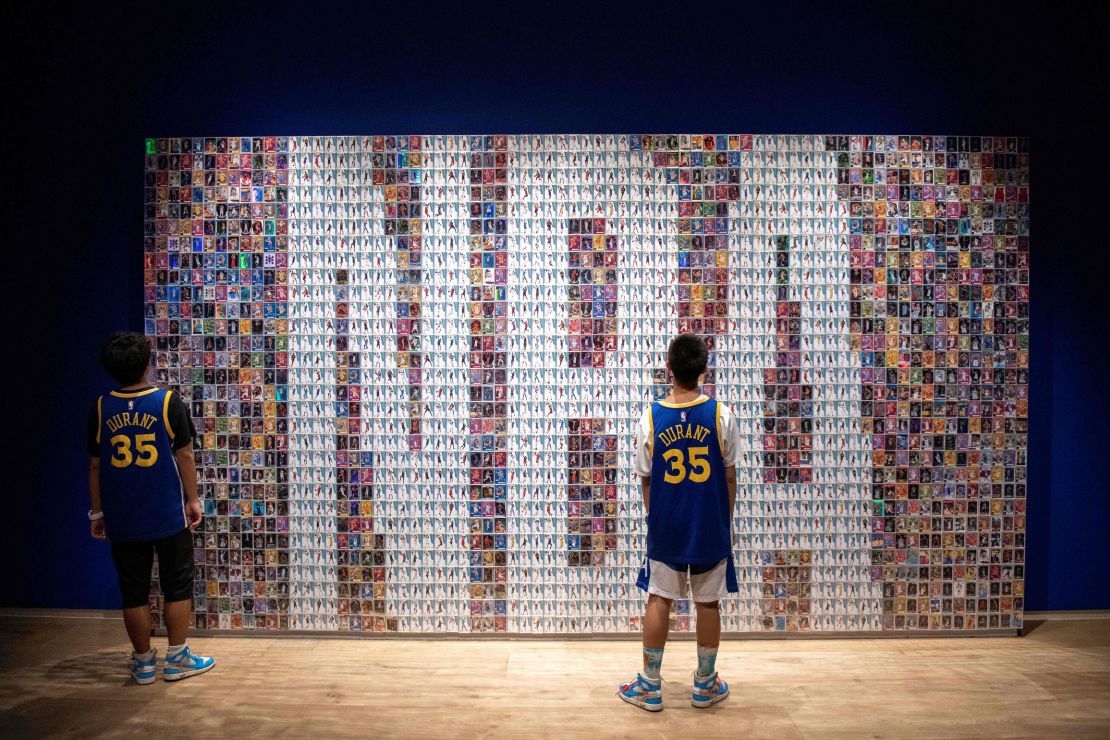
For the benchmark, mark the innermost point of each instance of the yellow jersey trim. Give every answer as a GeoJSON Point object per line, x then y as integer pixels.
{"type": "Point", "coordinates": [695, 402]}
{"type": "Point", "coordinates": [99, 417]}
{"type": "Point", "coordinates": [651, 432]}
{"type": "Point", "coordinates": [133, 394]}
{"type": "Point", "coordinates": [166, 413]}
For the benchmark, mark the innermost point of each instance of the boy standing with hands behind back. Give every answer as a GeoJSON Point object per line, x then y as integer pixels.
{"type": "Point", "coordinates": [686, 451]}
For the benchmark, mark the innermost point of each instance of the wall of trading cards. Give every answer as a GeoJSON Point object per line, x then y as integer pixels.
{"type": "Point", "coordinates": [415, 364]}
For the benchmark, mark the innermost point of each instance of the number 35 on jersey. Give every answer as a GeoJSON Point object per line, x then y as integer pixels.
{"type": "Point", "coordinates": [686, 462]}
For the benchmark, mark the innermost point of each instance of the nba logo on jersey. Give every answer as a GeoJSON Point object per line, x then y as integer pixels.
{"type": "Point", "coordinates": [131, 407]}
{"type": "Point", "coordinates": [684, 416]}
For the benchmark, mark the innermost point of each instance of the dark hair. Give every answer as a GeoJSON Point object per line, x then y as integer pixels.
{"type": "Point", "coordinates": [687, 357]}
{"type": "Point", "coordinates": [126, 357]}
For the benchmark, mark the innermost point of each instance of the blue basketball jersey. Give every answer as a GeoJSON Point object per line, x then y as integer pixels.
{"type": "Point", "coordinates": [688, 516]}
{"type": "Point", "coordinates": [140, 489]}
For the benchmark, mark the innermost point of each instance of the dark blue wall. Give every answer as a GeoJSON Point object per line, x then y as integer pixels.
{"type": "Point", "coordinates": [88, 89]}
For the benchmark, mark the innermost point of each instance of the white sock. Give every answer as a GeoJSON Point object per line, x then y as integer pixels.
{"type": "Point", "coordinates": [143, 656]}
{"type": "Point", "coordinates": [175, 649]}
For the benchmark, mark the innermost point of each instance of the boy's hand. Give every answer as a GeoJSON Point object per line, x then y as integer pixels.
{"type": "Point", "coordinates": [194, 512]}
{"type": "Point", "coordinates": [96, 529]}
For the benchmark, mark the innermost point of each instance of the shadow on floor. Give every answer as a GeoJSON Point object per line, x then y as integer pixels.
{"type": "Point", "coordinates": [102, 669]}
{"type": "Point", "coordinates": [98, 683]}
{"type": "Point", "coordinates": [54, 716]}
{"type": "Point", "coordinates": [1030, 625]}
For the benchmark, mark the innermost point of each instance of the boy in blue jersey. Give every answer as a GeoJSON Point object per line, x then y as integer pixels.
{"type": "Point", "coordinates": [143, 490]}
{"type": "Point", "coordinates": [687, 447]}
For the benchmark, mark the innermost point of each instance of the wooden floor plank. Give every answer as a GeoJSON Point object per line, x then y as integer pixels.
{"type": "Point", "coordinates": [63, 677]}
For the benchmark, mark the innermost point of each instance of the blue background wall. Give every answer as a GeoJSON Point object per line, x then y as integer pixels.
{"type": "Point", "coordinates": [88, 89]}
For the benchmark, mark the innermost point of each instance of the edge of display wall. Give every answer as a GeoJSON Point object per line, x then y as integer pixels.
{"type": "Point", "coordinates": [1029, 619]}
{"type": "Point", "coordinates": [630, 636]}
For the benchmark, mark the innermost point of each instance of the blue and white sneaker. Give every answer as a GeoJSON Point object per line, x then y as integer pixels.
{"type": "Point", "coordinates": [185, 664]}
{"type": "Point", "coordinates": [144, 669]}
{"type": "Point", "coordinates": [643, 692]}
{"type": "Point", "coordinates": [708, 690]}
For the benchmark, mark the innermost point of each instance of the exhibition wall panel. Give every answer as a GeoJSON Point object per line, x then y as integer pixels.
{"type": "Point", "coordinates": [415, 364]}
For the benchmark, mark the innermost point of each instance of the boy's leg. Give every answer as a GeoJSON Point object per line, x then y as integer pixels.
{"type": "Point", "coordinates": [708, 587]}
{"type": "Point", "coordinates": [177, 620]}
{"type": "Point", "coordinates": [709, 636]}
{"type": "Point", "coordinates": [176, 570]}
{"type": "Point", "coordinates": [657, 616]}
{"type": "Point", "coordinates": [646, 691]}
{"type": "Point", "coordinates": [137, 621]}
{"type": "Point", "coordinates": [133, 561]}
{"type": "Point", "coordinates": [175, 575]}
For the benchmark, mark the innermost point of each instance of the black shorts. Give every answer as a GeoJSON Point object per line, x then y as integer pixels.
{"type": "Point", "coordinates": [134, 561]}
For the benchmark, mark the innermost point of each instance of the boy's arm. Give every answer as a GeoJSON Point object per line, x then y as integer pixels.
{"type": "Point", "coordinates": [642, 463]}
{"type": "Point", "coordinates": [187, 469]}
{"type": "Point", "coordinates": [732, 457]}
{"type": "Point", "coordinates": [730, 479]}
{"type": "Point", "coordinates": [183, 435]}
{"type": "Point", "coordinates": [96, 527]}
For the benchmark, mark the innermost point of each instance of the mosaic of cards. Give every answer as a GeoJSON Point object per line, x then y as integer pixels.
{"type": "Point", "coordinates": [415, 364]}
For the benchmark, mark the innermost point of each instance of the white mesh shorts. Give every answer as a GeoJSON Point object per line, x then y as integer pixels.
{"type": "Point", "coordinates": [709, 585]}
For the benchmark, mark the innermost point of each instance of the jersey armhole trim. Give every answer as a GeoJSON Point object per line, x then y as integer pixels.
{"type": "Point", "coordinates": [166, 414]}
{"type": "Point", "coordinates": [99, 417]}
{"type": "Point", "coordinates": [651, 432]}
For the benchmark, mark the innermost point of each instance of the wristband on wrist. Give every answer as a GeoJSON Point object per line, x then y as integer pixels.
{"type": "Point", "coordinates": [93, 517]}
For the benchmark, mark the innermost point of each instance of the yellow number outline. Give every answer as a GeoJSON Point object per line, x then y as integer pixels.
{"type": "Point", "coordinates": [123, 457]}
{"type": "Point", "coordinates": [143, 445]}
{"type": "Point", "coordinates": [698, 461]}
{"type": "Point", "coordinates": [678, 465]}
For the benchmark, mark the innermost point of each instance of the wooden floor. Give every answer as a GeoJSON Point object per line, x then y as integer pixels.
{"type": "Point", "coordinates": [67, 676]}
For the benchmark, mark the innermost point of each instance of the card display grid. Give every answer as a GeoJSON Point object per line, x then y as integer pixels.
{"type": "Point", "coordinates": [391, 346]}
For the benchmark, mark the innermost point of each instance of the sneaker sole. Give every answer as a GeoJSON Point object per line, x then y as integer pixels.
{"type": "Point", "coordinates": [707, 703]}
{"type": "Point", "coordinates": [144, 681]}
{"type": "Point", "coordinates": [187, 674]}
{"type": "Point", "coordinates": [646, 707]}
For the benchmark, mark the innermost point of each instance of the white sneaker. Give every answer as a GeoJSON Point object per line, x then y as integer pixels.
{"type": "Point", "coordinates": [185, 664]}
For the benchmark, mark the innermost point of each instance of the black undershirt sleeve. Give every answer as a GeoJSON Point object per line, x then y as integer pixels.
{"type": "Point", "coordinates": [180, 422]}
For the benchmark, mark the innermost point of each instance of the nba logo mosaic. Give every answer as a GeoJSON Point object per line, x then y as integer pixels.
{"type": "Point", "coordinates": [415, 364]}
